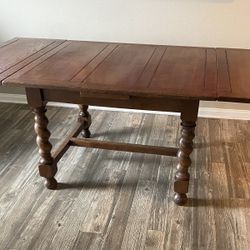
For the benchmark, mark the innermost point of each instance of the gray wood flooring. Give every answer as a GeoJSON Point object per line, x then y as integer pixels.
{"type": "Point", "coordinates": [115, 200]}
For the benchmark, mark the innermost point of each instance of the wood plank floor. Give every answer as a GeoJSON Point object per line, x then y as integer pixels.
{"type": "Point", "coordinates": [115, 200]}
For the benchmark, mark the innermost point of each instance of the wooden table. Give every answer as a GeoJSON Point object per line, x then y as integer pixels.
{"type": "Point", "coordinates": [147, 77]}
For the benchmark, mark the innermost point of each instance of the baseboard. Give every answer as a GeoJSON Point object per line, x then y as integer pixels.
{"type": "Point", "coordinates": [207, 109]}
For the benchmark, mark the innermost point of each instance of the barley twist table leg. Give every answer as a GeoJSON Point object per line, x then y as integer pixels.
{"type": "Point", "coordinates": [185, 149]}
{"type": "Point", "coordinates": [47, 166]}
{"type": "Point", "coordinates": [85, 118]}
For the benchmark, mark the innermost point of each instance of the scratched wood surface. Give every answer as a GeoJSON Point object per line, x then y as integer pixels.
{"type": "Point", "coordinates": [116, 200]}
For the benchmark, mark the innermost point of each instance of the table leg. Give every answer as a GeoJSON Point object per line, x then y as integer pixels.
{"type": "Point", "coordinates": [181, 182]}
{"type": "Point", "coordinates": [85, 118]}
{"type": "Point", "coordinates": [47, 165]}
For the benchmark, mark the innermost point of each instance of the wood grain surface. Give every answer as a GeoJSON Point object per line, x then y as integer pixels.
{"type": "Point", "coordinates": [19, 53]}
{"type": "Point", "coordinates": [118, 69]}
{"type": "Point", "coordinates": [234, 74]}
{"type": "Point", "coordinates": [117, 200]}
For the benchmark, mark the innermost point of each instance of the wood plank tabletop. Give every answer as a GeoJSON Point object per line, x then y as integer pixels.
{"type": "Point", "coordinates": [233, 75]}
{"type": "Point", "coordinates": [18, 53]}
{"type": "Point", "coordinates": [127, 69]}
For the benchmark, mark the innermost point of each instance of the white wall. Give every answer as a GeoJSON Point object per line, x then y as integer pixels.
{"type": "Point", "coordinates": [185, 22]}
{"type": "Point", "coordinates": [181, 22]}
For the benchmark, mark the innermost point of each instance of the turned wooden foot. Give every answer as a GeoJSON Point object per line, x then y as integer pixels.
{"type": "Point", "coordinates": [51, 183]}
{"type": "Point", "coordinates": [47, 166]}
{"type": "Point", "coordinates": [180, 199]}
{"type": "Point", "coordinates": [181, 181]}
{"type": "Point", "coordinates": [85, 118]}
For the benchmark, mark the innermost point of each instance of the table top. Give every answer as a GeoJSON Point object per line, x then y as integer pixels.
{"type": "Point", "coordinates": [128, 69]}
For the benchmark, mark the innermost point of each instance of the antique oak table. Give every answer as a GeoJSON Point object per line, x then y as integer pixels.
{"type": "Point", "coordinates": [134, 76]}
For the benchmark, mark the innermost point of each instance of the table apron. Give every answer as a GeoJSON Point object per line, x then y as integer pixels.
{"type": "Point", "coordinates": [142, 103]}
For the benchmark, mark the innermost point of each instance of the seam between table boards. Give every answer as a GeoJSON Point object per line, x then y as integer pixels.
{"type": "Point", "coordinates": [205, 70]}
{"type": "Point", "coordinates": [219, 96]}
{"type": "Point", "coordinates": [146, 64]}
{"type": "Point", "coordinates": [228, 71]}
{"type": "Point", "coordinates": [82, 68]}
{"type": "Point", "coordinates": [40, 58]}
{"type": "Point", "coordinates": [96, 83]}
{"type": "Point", "coordinates": [156, 68]}
{"type": "Point", "coordinates": [217, 75]}
{"type": "Point", "coordinates": [9, 42]}
{"type": "Point", "coordinates": [29, 57]}
{"type": "Point", "coordinates": [83, 80]}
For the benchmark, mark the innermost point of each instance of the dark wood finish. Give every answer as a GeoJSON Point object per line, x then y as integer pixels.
{"type": "Point", "coordinates": [35, 97]}
{"type": "Point", "coordinates": [133, 69]}
{"type": "Point", "coordinates": [157, 104]}
{"type": "Point", "coordinates": [136, 76]}
{"type": "Point", "coordinates": [61, 150]}
{"type": "Point", "coordinates": [76, 55]}
{"type": "Point", "coordinates": [188, 123]}
{"type": "Point", "coordinates": [47, 165]}
{"type": "Point", "coordinates": [20, 52]}
{"type": "Point", "coordinates": [234, 75]}
{"type": "Point", "coordinates": [181, 182]}
{"type": "Point", "coordinates": [85, 118]}
{"type": "Point", "coordinates": [127, 147]}
{"type": "Point", "coordinates": [152, 71]}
